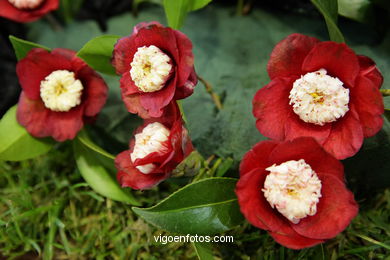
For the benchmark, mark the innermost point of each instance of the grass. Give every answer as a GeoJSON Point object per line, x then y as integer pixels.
{"type": "Point", "coordinates": [48, 211]}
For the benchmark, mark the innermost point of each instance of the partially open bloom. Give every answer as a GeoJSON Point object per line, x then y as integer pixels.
{"type": "Point", "coordinates": [323, 90]}
{"type": "Point", "coordinates": [26, 10]}
{"type": "Point", "coordinates": [158, 146]}
{"type": "Point", "coordinates": [295, 190]}
{"type": "Point", "coordinates": [60, 92]}
{"type": "Point", "coordinates": [156, 65]}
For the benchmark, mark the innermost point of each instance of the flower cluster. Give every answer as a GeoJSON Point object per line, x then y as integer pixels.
{"type": "Point", "coordinates": [157, 68]}
{"type": "Point", "coordinates": [322, 100]}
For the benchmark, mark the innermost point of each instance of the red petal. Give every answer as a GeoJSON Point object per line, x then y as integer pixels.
{"type": "Point", "coordinates": [346, 136]}
{"type": "Point", "coordinates": [7, 10]}
{"type": "Point", "coordinates": [95, 89]}
{"type": "Point", "coordinates": [296, 127]}
{"type": "Point", "coordinates": [155, 102]}
{"type": "Point", "coordinates": [67, 53]}
{"type": "Point", "coordinates": [335, 211]}
{"type": "Point", "coordinates": [369, 70]}
{"type": "Point", "coordinates": [123, 53]}
{"type": "Point", "coordinates": [254, 206]}
{"type": "Point", "coordinates": [41, 122]}
{"type": "Point", "coordinates": [185, 64]}
{"type": "Point", "coordinates": [308, 149]}
{"type": "Point", "coordinates": [32, 114]}
{"type": "Point", "coordinates": [294, 240]}
{"type": "Point", "coordinates": [288, 55]}
{"type": "Point", "coordinates": [127, 85]}
{"type": "Point", "coordinates": [129, 176]}
{"type": "Point", "coordinates": [188, 88]}
{"type": "Point", "coordinates": [337, 58]}
{"type": "Point", "coordinates": [133, 105]}
{"type": "Point", "coordinates": [257, 157]}
{"type": "Point", "coordinates": [271, 108]}
{"type": "Point", "coordinates": [145, 25]}
{"type": "Point", "coordinates": [38, 64]}
{"type": "Point", "coordinates": [369, 104]}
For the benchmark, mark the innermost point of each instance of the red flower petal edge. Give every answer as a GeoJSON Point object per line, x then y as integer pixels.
{"type": "Point", "coordinates": [335, 209]}
{"type": "Point", "coordinates": [41, 121]}
{"type": "Point", "coordinates": [178, 147]}
{"type": "Point", "coordinates": [7, 10]}
{"type": "Point", "coordinates": [294, 57]}
{"type": "Point", "coordinates": [182, 79]}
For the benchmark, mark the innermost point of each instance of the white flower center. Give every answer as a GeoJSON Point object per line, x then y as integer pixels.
{"type": "Point", "coordinates": [150, 140]}
{"type": "Point", "coordinates": [150, 68]}
{"type": "Point", "coordinates": [293, 188]}
{"type": "Point", "coordinates": [319, 98]}
{"type": "Point", "coordinates": [61, 91]}
{"type": "Point", "coordinates": [26, 4]}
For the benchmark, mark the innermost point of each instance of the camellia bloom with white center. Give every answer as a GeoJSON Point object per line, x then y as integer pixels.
{"type": "Point", "coordinates": [150, 140]}
{"type": "Point", "coordinates": [60, 93]}
{"type": "Point", "coordinates": [26, 10]}
{"type": "Point", "coordinates": [323, 90]}
{"type": "Point", "coordinates": [156, 65]}
{"type": "Point", "coordinates": [158, 146]}
{"type": "Point", "coordinates": [150, 69]}
{"type": "Point", "coordinates": [295, 190]}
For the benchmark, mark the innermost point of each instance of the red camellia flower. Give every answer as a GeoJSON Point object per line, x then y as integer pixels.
{"type": "Point", "coordinates": [156, 65]}
{"type": "Point", "coordinates": [26, 10]}
{"type": "Point", "coordinates": [158, 146]}
{"type": "Point", "coordinates": [295, 190]}
{"type": "Point", "coordinates": [323, 90]}
{"type": "Point", "coordinates": [59, 93]}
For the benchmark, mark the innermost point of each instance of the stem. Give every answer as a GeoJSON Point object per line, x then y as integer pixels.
{"type": "Point", "coordinates": [181, 111]}
{"type": "Point", "coordinates": [54, 22]}
{"type": "Point", "coordinates": [214, 96]}
{"type": "Point", "coordinates": [385, 92]}
{"type": "Point", "coordinates": [240, 7]}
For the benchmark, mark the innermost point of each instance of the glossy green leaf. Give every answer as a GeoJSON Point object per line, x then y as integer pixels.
{"type": "Point", "coordinates": [329, 9]}
{"type": "Point", "coordinates": [16, 144]}
{"type": "Point", "coordinates": [96, 175]}
{"type": "Point", "coordinates": [176, 10]}
{"type": "Point", "coordinates": [198, 4]}
{"type": "Point", "coordinates": [204, 251]}
{"type": "Point", "coordinates": [97, 53]}
{"type": "Point", "coordinates": [85, 140]}
{"type": "Point", "coordinates": [357, 10]}
{"type": "Point", "coordinates": [22, 47]}
{"type": "Point", "coordinates": [205, 207]}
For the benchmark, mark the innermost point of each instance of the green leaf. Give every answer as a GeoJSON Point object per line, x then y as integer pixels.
{"type": "Point", "coordinates": [16, 144]}
{"type": "Point", "coordinates": [198, 4]}
{"type": "Point", "coordinates": [95, 174]}
{"type": "Point", "coordinates": [176, 10]}
{"type": "Point", "coordinates": [329, 9]}
{"type": "Point", "coordinates": [22, 47]}
{"type": "Point", "coordinates": [97, 53]}
{"type": "Point", "coordinates": [204, 251]}
{"type": "Point", "coordinates": [358, 10]}
{"type": "Point", "coordinates": [103, 156]}
{"type": "Point", "coordinates": [85, 140]}
{"type": "Point", "coordinates": [206, 207]}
